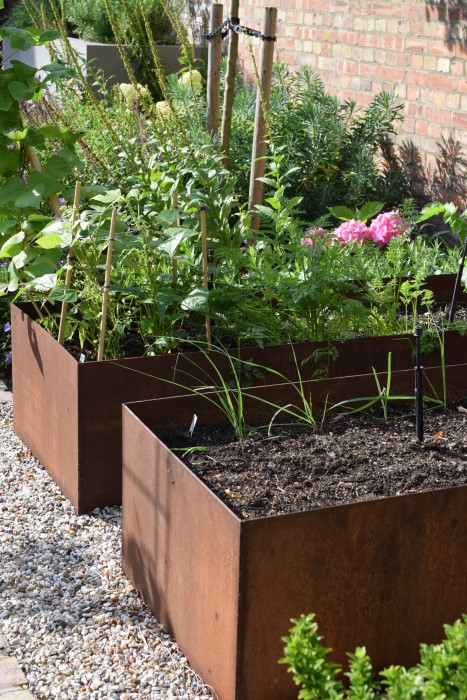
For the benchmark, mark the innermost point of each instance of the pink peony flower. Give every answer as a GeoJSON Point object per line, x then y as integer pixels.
{"type": "Point", "coordinates": [385, 227]}
{"type": "Point", "coordinates": [351, 231]}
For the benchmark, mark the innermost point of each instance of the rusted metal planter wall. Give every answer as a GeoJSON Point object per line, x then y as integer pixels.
{"type": "Point", "coordinates": [69, 413]}
{"type": "Point", "coordinates": [386, 573]}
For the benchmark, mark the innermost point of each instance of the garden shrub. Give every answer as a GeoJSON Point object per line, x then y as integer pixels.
{"type": "Point", "coordinates": [441, 673]}
{"type": "Point", "coordinates": [89, 19]}
{"type": "Point", "coordinates": [333, 154]}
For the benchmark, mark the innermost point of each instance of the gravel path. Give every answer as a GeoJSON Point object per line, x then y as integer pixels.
{"type": "Point", "coordinates": [75, 623]}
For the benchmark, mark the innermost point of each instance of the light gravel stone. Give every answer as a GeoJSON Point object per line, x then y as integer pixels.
{"type": "Point", "coordinates": [75, 623]}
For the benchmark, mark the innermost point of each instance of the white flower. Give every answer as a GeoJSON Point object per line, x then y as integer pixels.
{"type": "Point", "coordinates": [131, 95]}
{"type": "Point", "coordinates": [163, 109]}
{"type": "Point", "coordinates": [192, 78]}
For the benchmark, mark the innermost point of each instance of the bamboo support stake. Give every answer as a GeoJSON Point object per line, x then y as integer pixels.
{"type": "Point", "coordinates": [214, 70]}
{"type": "Point", "coordinates": [34, 305]}
{"type": "Point", "coordinates": [174, 259]}
{"type": "Point", "coordinates": [105, 298]}
{"type": "Point", "coordinates": [261, 115]}
{"type": "Point", "coordinates": [204, 250]}
{"type": "Point", "coordinates": [229, 91]}
{"type": "Point", "coordinates": [36, 164]}
{"type": "Point", "coordinates": [69, 264]}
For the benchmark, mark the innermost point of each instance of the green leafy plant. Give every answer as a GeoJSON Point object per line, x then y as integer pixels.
{"type": "Point", "coordinates": [29, 189]}
{"type": "Point", "coordinates": [451, 215]}
{"type": "Point", "coordinates": [364, 213]}
{"type": "Point", "coordinates": [383, 397]}
{"type": "Point", "coordinates": [441, 673]}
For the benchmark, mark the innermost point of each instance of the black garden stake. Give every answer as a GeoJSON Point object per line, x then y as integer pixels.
{"type": "Point", "coordinates": [452, 310]}
{"type": "Point", "coordinates": [418, 387]}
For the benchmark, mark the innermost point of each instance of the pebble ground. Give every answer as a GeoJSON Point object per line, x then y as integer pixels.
{"type": "Point", "coordinates": [73, 620]}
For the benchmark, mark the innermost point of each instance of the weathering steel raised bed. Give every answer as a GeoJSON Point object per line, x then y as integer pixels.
{"type": "Point", "coordinates": [69, 413]}
{"type": "Point", "coordinates": [387, 573]}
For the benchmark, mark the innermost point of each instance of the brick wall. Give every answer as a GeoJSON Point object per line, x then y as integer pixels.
{"type": "Point", "coordinates": [416, 50]}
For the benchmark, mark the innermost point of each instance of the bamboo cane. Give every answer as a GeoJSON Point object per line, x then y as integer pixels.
{"type": "Point", "coordinates": [105, 298]}
{"type": "Point", "coordinates": [174, 259]}
{"type": "Point", "coordinates": [34, 305]}
{"type": "Point", "coordinates": [261, 115]}
{"type": "Point", "coordinates": [36, 164]}
{"type": "Point", "coordinates": [214, 70]}
{"type": "Point", "coordinates": [204, 250]}
{"type": "Point", "coordinates": [69, 264]}
{"type": "Point", "coordinates": [229, 91]}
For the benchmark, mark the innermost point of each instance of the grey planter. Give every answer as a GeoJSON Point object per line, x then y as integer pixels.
{"type": "Point", "coordinates": [103, 56]}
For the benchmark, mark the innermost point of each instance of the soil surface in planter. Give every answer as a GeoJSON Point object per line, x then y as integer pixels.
{"type": "Point", "coordinates": [352, 458]}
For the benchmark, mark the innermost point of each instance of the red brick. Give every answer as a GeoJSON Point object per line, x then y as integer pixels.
{"type": "Point", "coordinates": [440, 99]}
{"type": "Point", "coordinates": [439, 49]}
{"type": "Point", "coordinates": [459, 119]}
{"type": "Point", "coordinates": [443, 82]}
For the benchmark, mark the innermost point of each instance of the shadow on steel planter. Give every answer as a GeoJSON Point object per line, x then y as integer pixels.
{"type": "Point", "coordinates": [386, 573]}
{"type": "Point", "coordinates": [69, 413]}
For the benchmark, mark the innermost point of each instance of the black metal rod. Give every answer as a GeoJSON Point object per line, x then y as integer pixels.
{"type": "Point", "coordinates": [418, 387]}
{"type": "Point", "coordinates": [453, 309]}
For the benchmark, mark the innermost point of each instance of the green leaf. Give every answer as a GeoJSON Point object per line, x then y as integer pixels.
{"type": "Point", "coordinates": [55, 71]}
{"type": "Point", "coordinates": [22, 40]}
{"type": "Point", "coordinates": [34, 138]}
{"type": "Point", "coordinates": [111, 197]}
{"type": "Point", "coordinates": [343, 213]}
{"type": "Point", "coordinates": [41, 266]}
{"type": "Point", "coordinates": [429, 211]}
{"type": "Point", "coordinates": [31, 198]}
{"type": "Point", "coordinates": [197, 300]}
{"type": "Point", "coordinates": [167, 217]}
{"type": "Point", "coordinates": [50, 185]}
{"type": "Point", "coordinates": [63, 293]}
{"type": "Point", "coordinates": [50, 131]}
{"type": "Point", "coordinates": [274, 202]}
{"type": "Point", "coordinates": [369, 210]}
{"type": "Point", "coordinates": [9, 119]}
{"type": "Point", "coordinates": [87, 191]}
{"type": "Point", "coordinates": [126, 241]}
{"type": "Point", "coordinates": [13, 281]}
{"type": "Point", "coordinates": [20, 91]}
{"type": "Point", "coordinates": [9, 160]}
{"type": "Point", "coordinates": [267, 181]}
{"type": "Point", "coordinates": [18, 134]}
{"type": "Point", "coordinates": [7, 225]}
{"type": "Point", "coordinates": [24, 73]}
{"type": "Point", "coordinates": [58, 167]}
{"type": "Point", "coordinates": [21, 259]}
{"type": "Point", "coordinates": [11, 189]}
{"type": "Point", "coordinates": [179, 235]}
{"type": "Point", "coordinates": [60, 228]}
{"type": "Point", "coordinates": [12, 246]}
{"type": "Point", "coordinates": [50, 240]}
{"type": "Point", "coordinates": [6, 100]}
{"type": "Point", "coordinates": [42, 283]}
{"type": "Point", "coordinates": [49, 35]}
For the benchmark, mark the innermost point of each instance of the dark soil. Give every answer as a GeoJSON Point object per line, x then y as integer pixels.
{"type": "Point", "coordinates": [353, 458]}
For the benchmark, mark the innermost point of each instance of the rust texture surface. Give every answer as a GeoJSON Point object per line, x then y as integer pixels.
{"type": "Point", "coordinates": [45, 400]}
{"type": "Point", "coordinates": [69, 413]}
{"type": "Point", "coordinates": [384, 573]}
{"type": "Point", "coordinates": [181, 550]}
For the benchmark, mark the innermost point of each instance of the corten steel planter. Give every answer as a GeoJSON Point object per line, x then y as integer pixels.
{"type": "Point", "coordinates": [386, 573]}
{"type": "Point", "coordinates": [69, 413]}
